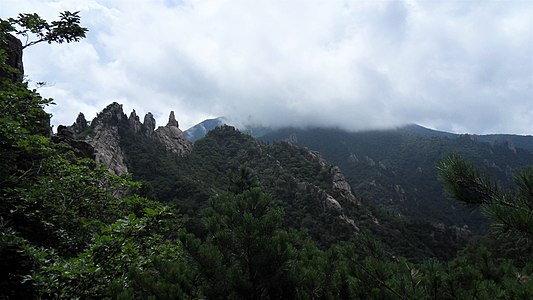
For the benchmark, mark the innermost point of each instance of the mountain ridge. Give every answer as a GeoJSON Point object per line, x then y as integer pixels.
{"type": "Point", "coordinates": [104, 133]}
{"type": "Point", "coordinates": [512, 140]}
{"type": "Point", "coordinates": [314, 193]}
{"type": "Point", "coordinates": [397, 168]}
{"type": "Point", "coordinates": [201, 129]}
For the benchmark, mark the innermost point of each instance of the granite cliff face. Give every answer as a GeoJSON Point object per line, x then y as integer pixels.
{"type": "Point", "coordinates": [341, 194]}
{"type": "Point", "coordinates": [305, 181]}
{"type": "Point", "coordinates": [172, 137]}
{"type": "Point", "coordinates": [339, 183]}
{"type": "Point", "coordinates": [105, 137]}
{"type": "Point", "coordinates": [81, 148]}
{"type": "Point", "coordinates": [107, 131]}
{"type": "Point", "coordinates": [13, 48]}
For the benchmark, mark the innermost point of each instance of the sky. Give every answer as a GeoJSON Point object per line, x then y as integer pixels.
{"type": "Point", "coordinates": [460, 66]}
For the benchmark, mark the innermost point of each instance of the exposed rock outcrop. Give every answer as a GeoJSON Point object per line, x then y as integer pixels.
{"type": "Point", "coordinates": [148, 124]}
{"type": "Point", "coordinates": [106, 133]}
{"type": "Point", "coordinates": [341, 185]}
{"type": "Point", "coordinates": [172, 137]}
{"type": "Point", "coordinates": [67, 135]}
{"type": "Point", "coordinates": [334, 199]}
{"type": "Point", "coordinates": [80, 125]}
{"type": "Point", "coordinates": [339, 182]}
{"type": "Point", "coordinates": [135, 122]}
{"type": "Point", "coordinates": [328, 203]}
{"type": "Point", "coordinates": [105, 138]}
{"type": "Point", "coordinates": [13, 48]}
{"type": "Point", "coordinates": [172, 120]}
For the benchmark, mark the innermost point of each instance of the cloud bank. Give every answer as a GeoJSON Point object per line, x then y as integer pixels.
{"type": "Point", "coordinates": [462, 66]}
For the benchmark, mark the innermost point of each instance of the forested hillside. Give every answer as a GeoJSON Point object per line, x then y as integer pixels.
{"type": "Point", "coordinates": [396, 168]}
{"type": "Point", "coordinates": [230, 217]}
{"type": "Point", "coordinates": [313, 193]}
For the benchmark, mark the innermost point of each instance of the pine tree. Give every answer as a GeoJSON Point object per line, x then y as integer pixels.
{"type": "Point", "coordinates": [511, 212]}
{"type": "Point", "coordinates": [246, 254]}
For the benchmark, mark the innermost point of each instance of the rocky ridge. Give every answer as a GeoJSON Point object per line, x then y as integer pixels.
{"type": "Point", "coordinates": [340, 194]}
{"type": "Point", "coordinates": [339, 182]}
{"type": "Point", "coordinates": [106, 131]}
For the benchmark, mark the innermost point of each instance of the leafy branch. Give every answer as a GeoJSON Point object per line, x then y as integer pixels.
{"type": "Point", "coordinates": [35, 29]}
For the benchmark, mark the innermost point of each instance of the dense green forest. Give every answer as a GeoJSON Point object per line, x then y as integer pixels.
{"type": "Point", "coordinates": [396, 168]}
{"type": "Point", "coordinates": [299, 179]}
{"type": "Point", "coordinates": [236, 218]}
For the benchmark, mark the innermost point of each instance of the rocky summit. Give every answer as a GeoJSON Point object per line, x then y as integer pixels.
{"type": "Point", "coordinates": [111, 127]}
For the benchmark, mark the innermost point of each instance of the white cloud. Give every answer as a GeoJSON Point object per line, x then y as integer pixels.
{"type": "Point", "coordinates": [451, 65]}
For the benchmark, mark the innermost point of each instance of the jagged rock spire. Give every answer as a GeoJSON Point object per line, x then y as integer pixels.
{"type": "Point", "coordinates": [112, 114]}
{"type": "Point", "coordinates": [133, 115]}
{"type": "Point", "coordinates": [149, 123]}
{"type": "Point", "coordinates": [172, 120]}
{"type": "Point", "coordinates": [81, 121]}
{"type": "Point", "coordinates": [113, 108]}
{"type": "Point", "coordinates": [135, 122]}
{"type": "Point", "coordinates": [80, 124]}
{"type": "Point", "coordinates": [112, 126]}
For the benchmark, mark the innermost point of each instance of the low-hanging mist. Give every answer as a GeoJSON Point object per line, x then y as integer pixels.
{"type": "Point", "coordinates": [455, 65]}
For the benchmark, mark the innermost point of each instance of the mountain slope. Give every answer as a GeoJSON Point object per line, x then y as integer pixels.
{"type": "Point", "coordinates": [396, 168]}
{"type": "Point", "coordinates": [314, 193]}
{"type": "Point", "coordinates": [510, 140]}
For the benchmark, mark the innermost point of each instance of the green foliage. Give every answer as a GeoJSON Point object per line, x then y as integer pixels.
{"type": "Point", "coordinates": [65, 30]}
{"type": "Point", "coordinates": [65, 221]}
{"type": "Point", "coordinates": [282, 170]}
{"type": "Point", "coordinates": [395, 169]}
{"type": "Point", "coordinates": [295, 177]}
{"type": "Point", "coordinates": [512, 213]}
{"type": "Point", "coordinates": [76, 194]}
{"type": "Point", "coordinates": [22, 110]}
{"type": "Point", "coordinates": [68, 227]}
{"type": "Point", "coordinates": [71, 229]}
{"type": "Point", "coordinates": [245, 255]}
{"type": "Point", "coordinates": [161, 278]}
{"type": "Point", "coordinates": [130, 243]}
{"type": "Point", "coordinates": [465, 182]}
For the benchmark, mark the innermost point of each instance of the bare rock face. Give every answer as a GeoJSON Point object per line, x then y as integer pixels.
{"type": "Point", "coordinates": [80, 125]}
{"type": "Point", "coordinates": [339, 182]}
{"type": "Point", "coordinates": [342, 186]}
{"type": "Point", "coordinates": [148, 124]}
{"type": "Point", "coordinates": [13, 48]}
{"type": "Point", "coordinates": [108, 150]}
{"type": "Point", "coordinates": [336, 198]}
{"type": "Point", "coordinates": [106, 139]}
{"type": "Point", "coordinates": [172, 120]}
{"type": "Point", "coordinates": [328, 203]}
{"type": "Point", "coordinates": [67, 135]}
{"type": "Point", "coordinates": [106, 134]}
{"type": "Point", "coordinates": [135, 122]}
{"type": "Point", "coordinates": [172, 137]}
{"type": "Point", "coordinates": [111, 115]}
{"type": "Point", "coordinates": [65, 132]}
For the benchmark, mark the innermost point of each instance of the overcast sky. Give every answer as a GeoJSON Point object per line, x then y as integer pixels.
{"type": "Point", "coordinates": [461, 66]}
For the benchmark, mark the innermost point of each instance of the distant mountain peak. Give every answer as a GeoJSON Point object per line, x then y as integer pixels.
{"type": "Point", "coordinates": [424, 131]}
{"type": "Point", "coordinates": [199, 130]}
